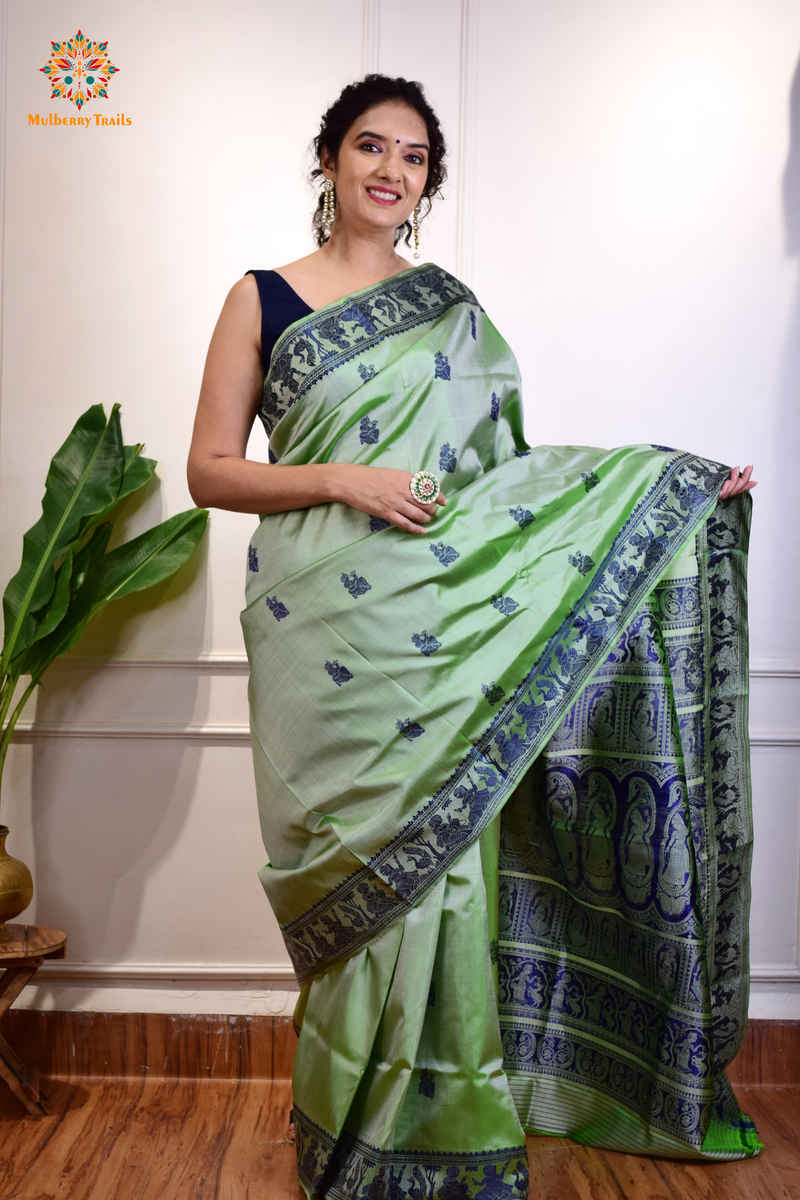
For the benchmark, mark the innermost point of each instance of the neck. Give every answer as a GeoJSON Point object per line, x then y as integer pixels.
{"type": "Point", "coordinates": [370, 254]}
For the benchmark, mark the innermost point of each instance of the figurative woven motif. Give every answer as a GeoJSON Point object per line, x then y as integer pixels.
{"type": "Point", "coordinates": [445, 554]}
{"type": "Point", "coordinates": [324, 341]}
{"type": "Point", "coordinates": [351, 1169]}
{"type": "Point", "coordinates": [79, 70]}
{"type": "Point", "coordinates": [607, 979]}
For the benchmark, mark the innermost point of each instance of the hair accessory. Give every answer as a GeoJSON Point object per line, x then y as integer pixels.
{"type": "Point", "coordinates": [424, 487]}
{"type": "Point", "coordinates": [328, 206]}
{"type": "Point", "coordinates": [416, 230]}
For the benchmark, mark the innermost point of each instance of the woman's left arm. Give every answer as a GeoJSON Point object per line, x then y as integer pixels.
{"type": "Point", "coordinates": [739, 482]}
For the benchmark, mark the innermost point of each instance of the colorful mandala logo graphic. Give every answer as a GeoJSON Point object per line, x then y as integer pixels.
{"type": "Point", "coordinates": [79, 70]}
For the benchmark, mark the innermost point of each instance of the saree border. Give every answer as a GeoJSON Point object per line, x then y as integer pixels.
{"type": "Point", "coordinates": [316, 345]}
{"type": "Point", "coordinates": [729, 787]}
{"type": "Point", "coordinates": [399, 874]}
{"type": "Point", "coordinates": [322, 1159]}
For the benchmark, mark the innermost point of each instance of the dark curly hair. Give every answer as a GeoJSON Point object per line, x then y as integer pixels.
{"type": "Point", "coordinates": [354, 100]}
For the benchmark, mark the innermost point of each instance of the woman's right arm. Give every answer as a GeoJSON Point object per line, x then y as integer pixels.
{"type": "Point", "coordinates": [220, 476]}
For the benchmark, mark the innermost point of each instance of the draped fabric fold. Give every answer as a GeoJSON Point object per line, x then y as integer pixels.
{"type": "Point", "coordinates": [502, 769]}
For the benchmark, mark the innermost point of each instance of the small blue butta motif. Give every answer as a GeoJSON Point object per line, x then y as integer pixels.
{"type": "Point", "coordinates": [376, 524]}
{"type": "Point", "coordinates": [366, 372]}
{"type": "Point", "coordinates": [278, 610]}
{"type": "Point", "coordinates": [445, 554]}
{"type": "Point", "coordinates": [523, 516]}
{"type": "Point", "coordinates": [337, 672]}
{"type": "Point", "coordinates": [472, 326]}
{"type": "Point", "coordinates": [492, 691]}
{"type": "Point", "coordinates": [504, 605]}
{"type": "Point", "coordinates": [442, 366]}
{"type": "Point", "coordinates": [410, 729]}
{"type": "Point", "coordinates": [521, 453]}
{"type": "Point", "coordinates": [426, 643]}
{"type": "Point", "coordinates": [582, 562]}
{"type": "Point", "coordinates": [447, 458]}
{"type": "Point", "coordinates": [356, 584]}
{"type": "Point", "coordinates": [590, 480]}
{"type": "Point", "coordinates": [665, 449]}
{"type": "Point", "coordinates": [427, 1084]}
{"type": "Point", "coordinates": [369, 433]}
{"type": "Point", "coordinates": [495, 412]}
{"type": "Point", "coordinates": [252, 559]}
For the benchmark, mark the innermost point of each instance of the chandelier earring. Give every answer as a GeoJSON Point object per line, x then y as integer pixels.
{"type": "Point", "coordinates": [328, 206]}
{"type": "Point", "coordinates": [415, 225]}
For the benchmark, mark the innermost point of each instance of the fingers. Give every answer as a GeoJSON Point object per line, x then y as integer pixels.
{"type": "Point", "coordinates": [409, 515]}
{"type": "Point", "coordinates": [738, 483]}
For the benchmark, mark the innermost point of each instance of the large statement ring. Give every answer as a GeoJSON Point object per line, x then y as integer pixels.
{"type": "Point", "coordinates": [424, 487]}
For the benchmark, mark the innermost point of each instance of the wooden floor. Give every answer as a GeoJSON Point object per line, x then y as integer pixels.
{"type": "Point", "coordinates": [118, 1139]}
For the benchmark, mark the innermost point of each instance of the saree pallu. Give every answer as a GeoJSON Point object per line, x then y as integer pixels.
{"type": "Point", "coordinates": [502, 769]}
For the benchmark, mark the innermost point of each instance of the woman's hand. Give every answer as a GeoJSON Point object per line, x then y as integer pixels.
{"type": "Point", "coordinates": [739, 482]}
{"type": "Point", "coordinates": [382, 492]}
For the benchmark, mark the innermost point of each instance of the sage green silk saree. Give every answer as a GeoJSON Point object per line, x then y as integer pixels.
{"type": "Point", "coordinates": [502, 769]}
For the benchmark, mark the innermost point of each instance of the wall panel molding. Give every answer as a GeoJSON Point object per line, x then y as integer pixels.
{"type": "Point", "coordinates": [228, 734]}
{"type": "Point", "coordinates": [186, 974]}
{"type": "Point", "coordinates": [237, 663]}
{"type": "Point", "coordinates": [234, 663]}
{"type": "Point", "coordinates": [467, 137]}
{"type": "Point", "coordinates": [31, 731]}
{"type": "Point", "coordinates": [371, 36]}
{"type": "Point", "coordinates": [194, 974]}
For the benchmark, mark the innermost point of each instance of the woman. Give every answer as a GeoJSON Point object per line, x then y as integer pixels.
{"type": "Point", "coordinates": [502, 767]}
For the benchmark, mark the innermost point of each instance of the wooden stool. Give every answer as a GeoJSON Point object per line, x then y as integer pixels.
{"type": "Point", "coordinates": [22, 956]}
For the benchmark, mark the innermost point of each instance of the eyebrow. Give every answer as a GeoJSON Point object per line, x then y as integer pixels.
{"type": "Point", "coordinates": [381, 137]}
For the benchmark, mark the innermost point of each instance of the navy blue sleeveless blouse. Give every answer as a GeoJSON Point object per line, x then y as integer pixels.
{"type": "Point", "coordinates": [280, 307]}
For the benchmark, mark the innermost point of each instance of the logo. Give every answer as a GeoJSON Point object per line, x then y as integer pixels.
{"type": "Point", "coordinates": [79, 70]}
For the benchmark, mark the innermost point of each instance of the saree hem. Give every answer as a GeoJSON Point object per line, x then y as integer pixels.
{"type": "Point", "coordinates": [345, 1166]}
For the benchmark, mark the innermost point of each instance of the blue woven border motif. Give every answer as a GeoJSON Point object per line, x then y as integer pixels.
{"type": "Point", "coordinates": [351, 1167]}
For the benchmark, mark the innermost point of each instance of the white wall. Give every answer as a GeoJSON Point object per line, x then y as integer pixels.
{"type": "Point", "coordinates": [625, 199]}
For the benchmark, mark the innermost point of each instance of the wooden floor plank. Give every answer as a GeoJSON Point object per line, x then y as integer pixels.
{"type": "Point", "coordinates": [220, 1139]}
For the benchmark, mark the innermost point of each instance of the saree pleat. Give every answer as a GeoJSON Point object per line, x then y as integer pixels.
{"type": "Point", "coordinates": [502, 770]}
{"type": "Point", "coordinates": [429, 1057]}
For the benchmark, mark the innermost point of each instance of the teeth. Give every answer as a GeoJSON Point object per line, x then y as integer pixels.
{"type": "Point", "coordinates": [382, 195]}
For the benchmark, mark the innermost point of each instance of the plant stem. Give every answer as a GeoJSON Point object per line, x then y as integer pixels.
{"type": "Point", "coordinates": [5, 741]}
{"type": "Point", "coordinates": [7, 694]}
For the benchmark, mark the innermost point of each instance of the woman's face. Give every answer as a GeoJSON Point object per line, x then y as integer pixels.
{"type": "Point", "coordinates": [381, 169]}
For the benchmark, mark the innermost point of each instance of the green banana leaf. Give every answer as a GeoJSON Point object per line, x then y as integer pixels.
{"type": "Point", "coordinates": [137, 564]}
{"type": "Point", "coordinates": [90, 551]}
{"type": "Point", "coordinates": [66, 574]}
{"type": "Point", "coordinates": [49, 617]}
{"type": "Point", "coordinates": [84, 480]}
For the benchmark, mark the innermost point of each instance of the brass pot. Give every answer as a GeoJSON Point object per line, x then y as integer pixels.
{"type": "Point", "coordinates": [16, 886]}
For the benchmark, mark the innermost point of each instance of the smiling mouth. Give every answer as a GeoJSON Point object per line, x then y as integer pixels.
{"type": "Point", "coordinates": [382, 197]}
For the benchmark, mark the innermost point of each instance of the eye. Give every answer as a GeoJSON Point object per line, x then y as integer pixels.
{"type": "Point", "coordinates": [369, 146]}
{"type": "Point", "coordinates": [416, 159]}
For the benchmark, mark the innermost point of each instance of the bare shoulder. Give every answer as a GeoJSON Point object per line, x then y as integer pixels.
{"type": "Point", "coordinates": [240, 318]}
{"type": "Point", "coordinates": [243, 294]}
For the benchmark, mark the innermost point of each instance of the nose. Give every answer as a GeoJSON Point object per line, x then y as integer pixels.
{"type": "Point", "coordinates": [390, 167]}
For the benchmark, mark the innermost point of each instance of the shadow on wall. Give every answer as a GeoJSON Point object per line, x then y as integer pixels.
{"type": "Point", "coordinates": [107, 811]}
